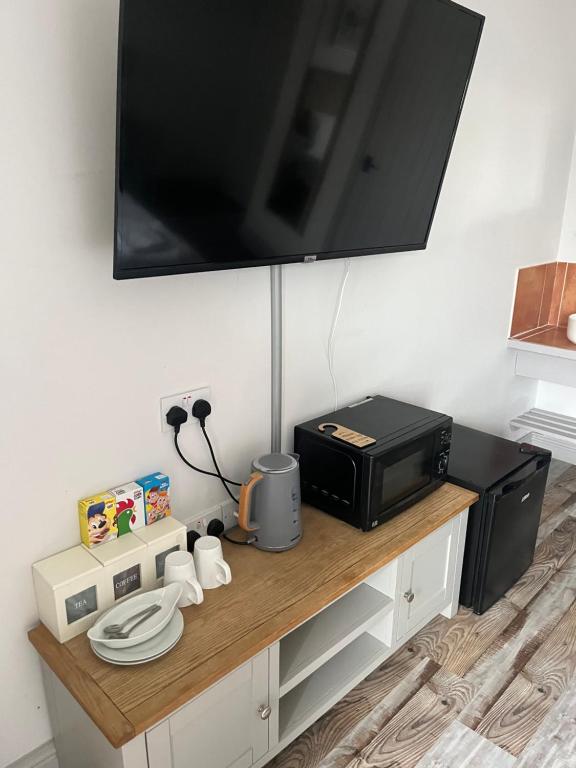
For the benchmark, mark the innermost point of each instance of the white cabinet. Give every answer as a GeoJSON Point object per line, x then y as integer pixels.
{"type": "Point", "coordinates": [226, 727]}
{"type": "Point", "coordinates": [429, 578]}
{"type": "Point", "coordinates": [247, 717]}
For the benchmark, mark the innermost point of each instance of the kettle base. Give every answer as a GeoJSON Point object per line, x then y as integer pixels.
{"type": "Point", "coordinates": [284, 548]}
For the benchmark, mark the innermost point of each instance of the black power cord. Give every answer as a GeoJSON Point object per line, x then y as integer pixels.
{"type": "Point", "coordinates": [222, 479]}
{"type": "Point", "coordinates": [201, 410]}
{"type": "Point", "coordinates": [175, 418]}
{"type": "Point", "coordinates": [197, 469]}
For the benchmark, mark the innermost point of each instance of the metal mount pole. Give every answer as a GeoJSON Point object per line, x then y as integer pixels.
{"type": "Point", "coordinates": [276, 339]}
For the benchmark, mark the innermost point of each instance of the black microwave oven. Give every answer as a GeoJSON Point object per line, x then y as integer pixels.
{"type": "Point", "coordinates": [369, 461]}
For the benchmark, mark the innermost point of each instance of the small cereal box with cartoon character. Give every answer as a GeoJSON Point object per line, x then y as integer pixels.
{"type": "Point", "coordinates": [130, 512]}
{"type": "Point", "coordinates": [97, 516]}
{"type": "Point", "coordinates": [156, 489]}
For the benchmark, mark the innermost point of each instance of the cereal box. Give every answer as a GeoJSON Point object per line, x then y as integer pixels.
{"type": "Point", "coordinates": [156, 489]}
{"type": "Point", "coordinates": [130, 512]}
{"type": "Point", "coordinates": [97, 516]}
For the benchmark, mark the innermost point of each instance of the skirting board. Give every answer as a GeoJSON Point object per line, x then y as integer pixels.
{"type": "Point", "coordinates": [43, 757]}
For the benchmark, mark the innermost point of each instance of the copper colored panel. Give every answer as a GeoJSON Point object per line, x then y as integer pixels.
{"type": "Point", "coordinates": [547, 294]}
{"type": "Point", "coordinates": [529, 335]}
{"type": "Point", "coordinates": [557, 293]}
{"type": "Point", "coordinates": [568, 306]}
{"type": "Point", "coordinates": [529, 292]}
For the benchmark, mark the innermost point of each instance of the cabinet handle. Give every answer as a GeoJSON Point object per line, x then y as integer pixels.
{"type": "Point", "coordinates": [409, 596]}
{"type": "Point", "coordinates": [264, 711]}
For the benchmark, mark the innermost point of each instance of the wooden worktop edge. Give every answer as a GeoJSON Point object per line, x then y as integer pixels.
{"type": "Point", "coordinates": [98, 706]}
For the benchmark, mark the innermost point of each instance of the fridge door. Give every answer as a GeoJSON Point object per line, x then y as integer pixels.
{"type": "Point", "coordinates": [475, 535]}
{"type": "Point", "coordinates": [512, 518]}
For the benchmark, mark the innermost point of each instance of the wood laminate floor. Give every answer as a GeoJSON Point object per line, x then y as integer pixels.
{"type": "Point", "coordinates": [491, 691]}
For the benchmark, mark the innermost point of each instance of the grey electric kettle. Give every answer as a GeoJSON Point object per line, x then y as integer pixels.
{"type": "Point", "coordinates": [270, 502]}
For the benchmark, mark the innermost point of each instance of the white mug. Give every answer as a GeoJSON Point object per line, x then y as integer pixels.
{"type": "Point", "coordinates": [213, 571]}
{"type": "Point", "coordinates": [572, 329]}
{"type": "Point", "coordinates": [179, 569]}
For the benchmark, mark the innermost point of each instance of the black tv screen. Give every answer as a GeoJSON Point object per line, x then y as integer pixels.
{"type": "Point", "coordinates": [257, 132]}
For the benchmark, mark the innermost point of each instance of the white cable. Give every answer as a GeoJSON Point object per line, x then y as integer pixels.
{"type": "Point", "coordinates": [333, 332]}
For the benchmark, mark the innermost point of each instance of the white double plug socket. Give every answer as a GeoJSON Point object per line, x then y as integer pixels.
{"type": "Point", "coordinates": [223, 512]}
{"type": "Point", "coordinates": [184, 400]}
{"type": "Point", "coordinates": [199, 522]}
{"type": "Point", "coordinates": [229, 514]}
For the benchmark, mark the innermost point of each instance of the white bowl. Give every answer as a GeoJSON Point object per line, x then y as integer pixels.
{"type": "Point", "coordinates": [167, 598]}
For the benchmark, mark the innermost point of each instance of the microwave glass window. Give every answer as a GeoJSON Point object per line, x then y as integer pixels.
{"type": "Point", "coordinates": [405, 477]}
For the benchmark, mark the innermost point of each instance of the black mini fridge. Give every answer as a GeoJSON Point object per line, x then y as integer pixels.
{"type": "Point", "coordinates": [503, 525]}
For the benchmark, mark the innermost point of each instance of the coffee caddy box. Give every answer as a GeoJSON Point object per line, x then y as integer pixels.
{"type": "Point", "coordinates": [70, 592]}
{"type": "Point", "coordinates": [162, 538]}
{"type": "Point", "coordinates": [123, 561]}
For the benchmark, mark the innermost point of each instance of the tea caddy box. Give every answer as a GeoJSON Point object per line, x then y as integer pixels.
{"type": "Point", "coordinates": [130, 512]}
{"type": "Point", "coordinates": [70, 592]}
{"type": "Point", "coordinates": [156, 489]}
{"type": "Point", "coordinates": [166, 536]}
{"type": "Point", "coordinates": [123, 562]}
{"type": "Point", "coordinates": [97, 515]}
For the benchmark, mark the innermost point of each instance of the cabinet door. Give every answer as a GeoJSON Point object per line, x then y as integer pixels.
{"type": "Point", "coordinates": [221, 728]}
{"type": "Point", "coordinates": [427, 575]}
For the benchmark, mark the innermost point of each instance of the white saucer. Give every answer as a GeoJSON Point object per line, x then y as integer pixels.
{"type": "Point", "coordinates": [152, 649]}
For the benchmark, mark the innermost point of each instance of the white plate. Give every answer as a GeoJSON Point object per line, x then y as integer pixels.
{"type": "Point", "coordinates": [167, 597]}
{"type": "Point", "coordinates": [152, 649]}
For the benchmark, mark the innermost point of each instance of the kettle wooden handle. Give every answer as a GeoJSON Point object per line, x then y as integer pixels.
{"type": "Point", "coordinates": [246, 502]}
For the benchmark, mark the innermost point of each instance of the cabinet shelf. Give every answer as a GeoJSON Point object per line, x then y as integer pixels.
{"type": "Point", "coordinates": [316, 694]}
{"type": "Point", "coordinates": [322, 637]}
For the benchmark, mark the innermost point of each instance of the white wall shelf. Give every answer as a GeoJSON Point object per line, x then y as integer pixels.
{"type": "Point", "coordinates": [525, 345]}
{"type": "Point", "coordinates": [325, 635]}
{"type": "Point", "coordinates": [536, 361]}
{"type": "Point", "coordinates": [316, 694]}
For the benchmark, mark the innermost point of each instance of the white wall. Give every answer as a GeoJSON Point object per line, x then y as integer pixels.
{"type": "Point", "coordinates": [86, 359]}
{"type": "Point", "coordinates": [556, 398]}
{"type": "Point", "coordinates": [567, 249]}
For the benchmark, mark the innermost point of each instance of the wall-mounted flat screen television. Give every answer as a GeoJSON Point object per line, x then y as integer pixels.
{"type": "Point", "coordinates": [257, 132]}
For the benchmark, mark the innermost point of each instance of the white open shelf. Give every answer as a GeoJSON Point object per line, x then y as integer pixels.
{"type": "Point", "coordinates": [314, 643]}
{"type": "Point", "coordinates": [316, 694]}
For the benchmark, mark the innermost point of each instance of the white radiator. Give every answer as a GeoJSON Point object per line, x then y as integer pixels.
{"type": "Point", "coordinates": [547, 430]}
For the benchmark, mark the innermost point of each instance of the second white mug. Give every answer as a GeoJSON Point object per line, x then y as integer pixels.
{"type": "Point", "coordinates": [571, 330]}
{"type": "Point", "coordinates": [213, 571]}
{"type": "Point", "coordinates": [179, 569]}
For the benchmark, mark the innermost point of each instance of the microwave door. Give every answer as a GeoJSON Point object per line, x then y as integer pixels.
{"type": "Point", "coordinates": [402, 477]}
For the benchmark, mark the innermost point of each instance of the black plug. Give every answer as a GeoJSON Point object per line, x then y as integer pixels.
{"type": "Point", "coordinates": [215, 528]}
{"type": "Point", "coordinates": [191, 539]}
{"type": "Point", "coordinates": [201, 410]}
{"type": "Point", "coordinates": [175, 417]}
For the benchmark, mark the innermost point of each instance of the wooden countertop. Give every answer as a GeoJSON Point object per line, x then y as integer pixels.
{"type": "Point", "coordinates": [270, 594]}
